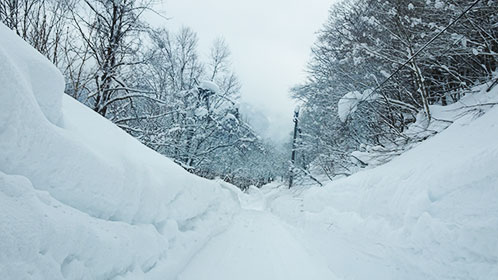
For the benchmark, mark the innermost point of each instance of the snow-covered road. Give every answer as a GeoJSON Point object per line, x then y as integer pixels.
{"type": "Point", "coordinates": [257, 246]}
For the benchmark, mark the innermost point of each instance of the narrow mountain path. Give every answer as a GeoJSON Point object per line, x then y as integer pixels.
{"type": "Point", "coordinates": [257, 246]}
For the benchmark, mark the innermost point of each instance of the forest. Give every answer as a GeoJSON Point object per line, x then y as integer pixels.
{"type": "Point", "coordinates": [377, 65]}
{"type": "Point", "coordinates": [153, 83]}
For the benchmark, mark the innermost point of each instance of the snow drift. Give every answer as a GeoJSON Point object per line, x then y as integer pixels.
{"type": "Point", "coordinates": [81, 199]}
{"type": "Point", "coordinates": [431, 213]}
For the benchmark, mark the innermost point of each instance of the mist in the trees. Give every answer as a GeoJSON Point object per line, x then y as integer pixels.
{"type": "Point", "coordinates": [151, 82]}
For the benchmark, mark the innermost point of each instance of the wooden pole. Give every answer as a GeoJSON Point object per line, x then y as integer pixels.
{"type": "Point", "coordinates": [293, 155]}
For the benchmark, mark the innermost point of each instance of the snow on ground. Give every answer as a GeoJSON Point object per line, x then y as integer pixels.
{"type": "Point", "coordinates": [81, 199]}
{"type": "Point", "coordinates": [431, 213]}
{"type": "Point", "coordinates": [257, 246]}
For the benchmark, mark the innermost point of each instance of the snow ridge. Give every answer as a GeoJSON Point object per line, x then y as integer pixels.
{"type": "Point", "coordinates": [430, 213]}
{"type": "Point", "coordinates": [80, 198]}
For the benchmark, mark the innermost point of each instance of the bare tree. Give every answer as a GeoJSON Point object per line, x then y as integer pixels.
{"type": "Point", "coordinates": [112, 35]}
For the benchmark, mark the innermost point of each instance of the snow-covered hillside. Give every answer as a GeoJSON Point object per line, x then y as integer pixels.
{"type": "Point", "coordinates": [81, 199]}
{"type": "Point", "coordinates": [431, 213]}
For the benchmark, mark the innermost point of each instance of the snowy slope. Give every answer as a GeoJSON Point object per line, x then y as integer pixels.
{"type": "Point", "coordinates": [81, 199]}
{"type": "Point", "coordinates": [431, 213]}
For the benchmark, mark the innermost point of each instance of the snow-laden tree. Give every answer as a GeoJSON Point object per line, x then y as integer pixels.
{"type": "Point", "coordinates": [193, 114]}
{"type": "Point", "coordinates": [151, 83]}
{"type": "Point", "coordinates": [111, 29]}
{"type": "Point", "coordinates": [362, 44]}
{"type": "Point", "coordinates": [42, 23]}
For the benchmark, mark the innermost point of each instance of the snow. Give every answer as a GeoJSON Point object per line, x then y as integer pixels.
{"type": "Point", "coordinates": [438, 4]}
{"type": "Point", "coordinates": [80, 198]}
{"type": "Point", "coordinates": [348, 104]}
{"type": "Point", "coordinates": [24, 69]}
{"type": "Point", "coordinates": [430, 213]}
{"type": "Point", "coordinates": [201, 112]}
{"type": "Point", "coordinates": [385, 74]}
{"type": "Point", "coordinates": [211, 86]}
{"type": "Point", "coordinates": [257, 246]}
{"type": "Point", "coordinates": [421, 129]}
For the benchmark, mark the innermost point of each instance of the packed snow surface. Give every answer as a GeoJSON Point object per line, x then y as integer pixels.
{"type": "Point", "coordinates": [257, 246]}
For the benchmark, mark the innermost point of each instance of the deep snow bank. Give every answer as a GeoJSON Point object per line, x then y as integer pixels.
{"type": "Point", "coordinates": [431, 213]}
{"type": "Point", "coordinates": [81, 199]}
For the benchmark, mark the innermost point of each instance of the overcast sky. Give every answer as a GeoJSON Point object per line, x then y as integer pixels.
{"type": "Point", "coordinates": [270, 42]}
